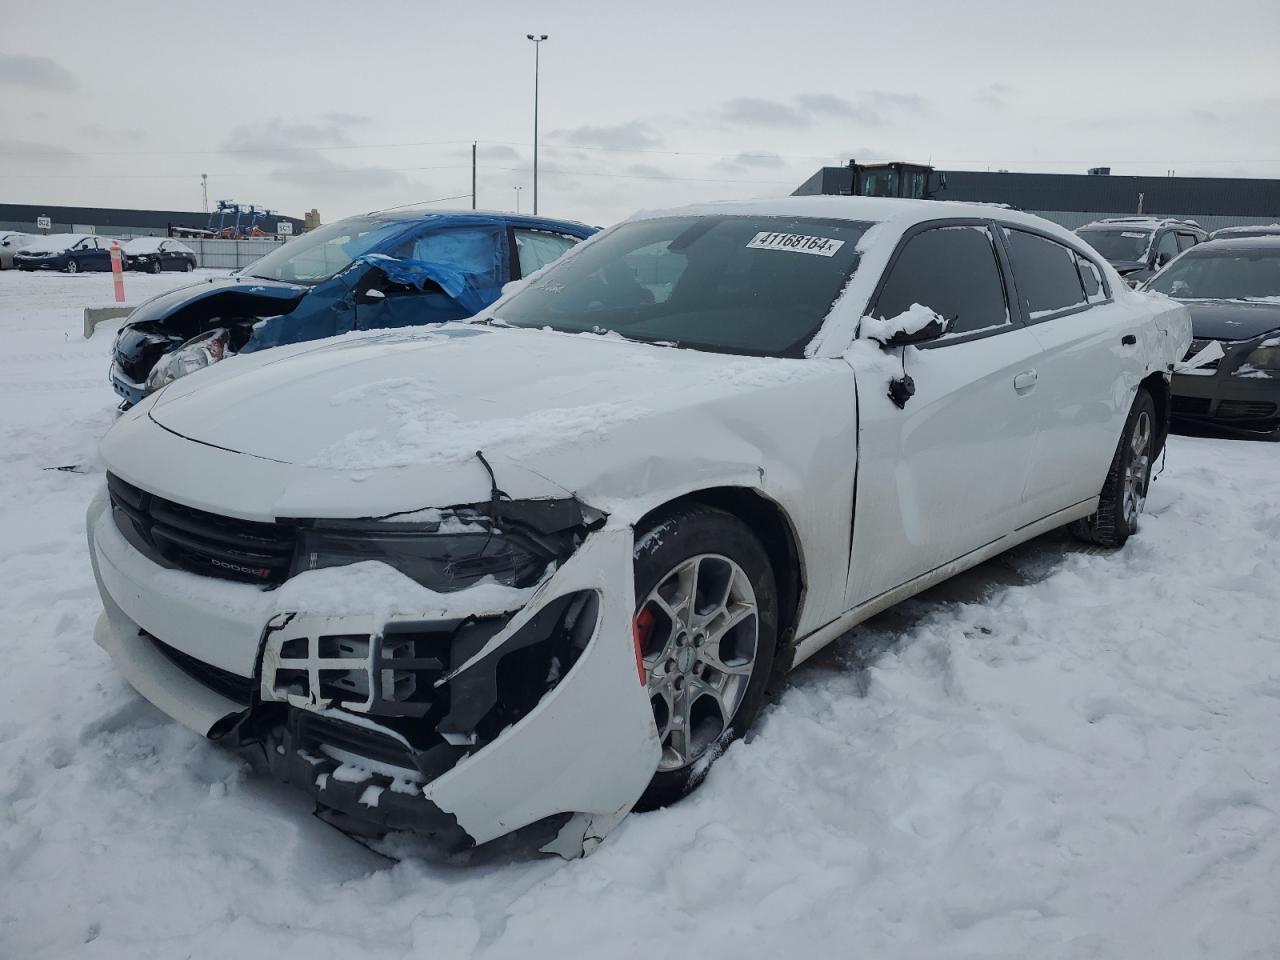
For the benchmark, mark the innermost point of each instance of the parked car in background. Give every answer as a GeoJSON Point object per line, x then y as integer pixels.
{"type": "Point", "coordinates": [391, 269]}
{"type": "Point", "coordinates": [1247, 230]}
{"type": "Point", "coordinates": [1232, 288]}
{"type": "Point", "coordinates": [1139, 246]}
{"type": "Point", "coordinates": [542, 566]}
{"type": "Point", "coordinates": [11, 243]}
{"type": "Point", "coordinates": [69, 252]}
{"type": "Point", "coordinates": [154, 254]}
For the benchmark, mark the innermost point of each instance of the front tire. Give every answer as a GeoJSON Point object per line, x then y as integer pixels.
{"type": "Point", "coordinates": [157, 266]}
{"type": "Point", "coordinates": [707, 629]}
{"type": "Point", "coordinates": [1124, 493]}
{"type": "Point", "coordinates": [73, 265]}
{"type": "Point", "coordinates": [187, 266]}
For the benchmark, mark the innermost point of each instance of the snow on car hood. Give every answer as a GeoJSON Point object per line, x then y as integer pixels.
{"type": "Point", "coordinates": [550, 402]}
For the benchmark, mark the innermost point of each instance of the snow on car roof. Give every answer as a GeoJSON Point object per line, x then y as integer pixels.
{"type": "Point", "coordinates": [900, 212]}
{"type": "Point", "coordinates": [151, 245]}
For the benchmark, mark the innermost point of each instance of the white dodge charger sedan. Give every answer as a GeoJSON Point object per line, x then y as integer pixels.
{"type": "Point", "coordinates": [536, 569]}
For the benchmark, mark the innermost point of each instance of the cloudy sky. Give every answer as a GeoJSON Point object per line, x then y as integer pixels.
{"type": "Point", "coordinates": [352, 106]}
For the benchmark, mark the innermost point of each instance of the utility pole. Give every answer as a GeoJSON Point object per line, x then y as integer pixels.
{"type": "Point", "coordinates": [473, 174]}
{"type": "Point", "coordinates": [204, 187]}
{"type": "Point", "coordinates": [537, 49]}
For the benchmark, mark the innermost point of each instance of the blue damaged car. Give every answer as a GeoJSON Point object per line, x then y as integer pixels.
{"type": "Point", "coordinates": [391, 269]}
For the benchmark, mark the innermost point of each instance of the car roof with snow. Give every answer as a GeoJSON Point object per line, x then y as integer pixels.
{"type": "Point", "coordinates": [1261, 242]}
{"type": "Point", "coordinates": [898, 212]}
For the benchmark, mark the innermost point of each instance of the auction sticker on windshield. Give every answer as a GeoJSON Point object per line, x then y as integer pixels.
{"type": "Point", "coordinates": [796, 243]}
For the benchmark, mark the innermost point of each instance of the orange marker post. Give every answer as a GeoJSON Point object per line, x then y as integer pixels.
{"type": "Point", "coordinates": [117, 270]}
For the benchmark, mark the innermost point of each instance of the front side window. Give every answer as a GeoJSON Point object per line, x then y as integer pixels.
{"type": "Point", "coordinates": [1186, 241]}
{"type": "Point", "coordinates": [954, 272]}
{"type": "Point", "coordinates": [1118, 244]}
{"type": "Point", "coordinates": [1046, 274]}
{"type": "Point", "coordinates": [1166, 247]}
{"type": "Point", "coordinates": [1222, 275]}
{"type": "Point", "coordinates": [730, 284]}
{"type": "Point", "coordinates": [324, 252]}
{"type": "Point", "coordinates": [537, 248]}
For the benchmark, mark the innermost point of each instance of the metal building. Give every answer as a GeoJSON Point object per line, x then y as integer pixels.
{"type": "Point", "coordinates": [1075, 199]}
{"type": "Point", "coordinates": [117, 223]}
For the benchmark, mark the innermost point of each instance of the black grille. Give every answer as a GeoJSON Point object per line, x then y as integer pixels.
{"type": "Point", "coordinates": [205, 543]}
{"type": "Point", "coordinates": [1196, 347]}
{"type": "Point", "coordinates": [316, 731]}
{"type": "Point", "coordinates": [1191, 406]}
{"type": "Point", "coordinates": [230, 685]}
{"type": "Point", "coordinates": [1246, 409]}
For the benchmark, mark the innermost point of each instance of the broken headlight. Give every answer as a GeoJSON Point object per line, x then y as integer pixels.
{"type": "Point", "coordinates": [1266, 357]}
{"type": "Point", "coordinates": [450, 555]}
{"type": "Point", "coordinates": [197, 353]}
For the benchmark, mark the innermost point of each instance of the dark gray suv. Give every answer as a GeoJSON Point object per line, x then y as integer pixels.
{"type": "Point", "coordinates": [1139, 246]}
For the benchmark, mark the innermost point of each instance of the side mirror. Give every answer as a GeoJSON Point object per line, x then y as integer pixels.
{"type": "Point", "coordinates": [907, 337]}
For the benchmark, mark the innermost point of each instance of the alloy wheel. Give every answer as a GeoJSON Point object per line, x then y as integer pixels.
{"type": "Point", "coordinates": [1137, 469]}
{"type": "Point", "coordinates": [698, 634]}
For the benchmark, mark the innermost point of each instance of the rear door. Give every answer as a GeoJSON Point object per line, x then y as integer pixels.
{"type": "Point", "coordinates": [944, 475]}
{"type": "Point", "coordinates": [1088, 369]}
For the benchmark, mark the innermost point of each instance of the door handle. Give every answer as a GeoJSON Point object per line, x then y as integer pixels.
{"type": "Point", "coordinates": [1024, 381]}
{"type": "Point", "coordinates": [1128, 340]}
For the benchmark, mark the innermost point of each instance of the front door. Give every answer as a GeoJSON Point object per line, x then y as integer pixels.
{"type": "Point", "coordinates": [944, 475]}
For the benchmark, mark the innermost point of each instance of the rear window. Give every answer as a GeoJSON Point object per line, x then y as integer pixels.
{"type": "Point", "coordinates": [1046, 274]}
{"type": "Point", "coordinates": [732, 284]}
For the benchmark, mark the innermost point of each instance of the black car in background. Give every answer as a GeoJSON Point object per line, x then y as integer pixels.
{"type": "Point", "coordinates": [1139, 246]}
{"type": "Point", "coordinates": [1232, 288]}
{"type": "Point", "coordinates": [68, 252]}
{"type": "Point", "coordinates": [153, 254]}
{"type": "Point", "coordinates": [1247, 230]}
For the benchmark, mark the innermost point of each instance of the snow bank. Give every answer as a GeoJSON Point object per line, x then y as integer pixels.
{"type": "Point", "coordinates": [1066, 753]}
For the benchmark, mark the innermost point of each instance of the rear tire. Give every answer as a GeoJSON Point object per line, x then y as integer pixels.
{"type": "Point", "coordinates": [1124, 493]}
{"type": "Point", "coordinates": [706, 626]}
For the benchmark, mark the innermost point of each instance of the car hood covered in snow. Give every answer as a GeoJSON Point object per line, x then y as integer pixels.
{"type": "Point", "coordinates": [404, 413]}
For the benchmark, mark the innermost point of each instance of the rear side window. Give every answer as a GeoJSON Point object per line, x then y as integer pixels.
{"type": "Point", "coordinates": [1046, 274]}
{"type": "Point", "coordinates": [1186, 241]}
{"type": "Point", "coordinates": [954, 272]}
{"type": "Point", "coordinates": [1094, 289]}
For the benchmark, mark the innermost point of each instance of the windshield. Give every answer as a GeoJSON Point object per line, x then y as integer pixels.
{"type": "Point", "coordinates": [323, 252]}
{"type": "Point", "coordinates": [1117, 245]}
{"type": "Point", "coordinates": [1221, 275]}
{"type": "Point", "coordinates": [750, 285]}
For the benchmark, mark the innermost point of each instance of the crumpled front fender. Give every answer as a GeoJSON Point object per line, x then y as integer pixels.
{"type": "Point", "coordinates": [590, 746]}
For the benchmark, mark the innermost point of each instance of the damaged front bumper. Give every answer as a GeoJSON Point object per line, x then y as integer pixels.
{"type": "Point", "coordinates": [467, 723]}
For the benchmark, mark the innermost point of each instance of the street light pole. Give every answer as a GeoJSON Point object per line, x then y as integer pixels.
{"type": "Point", "coordinates": [517, 199]}
{"type": "Point", "coordinates": [537, 49]}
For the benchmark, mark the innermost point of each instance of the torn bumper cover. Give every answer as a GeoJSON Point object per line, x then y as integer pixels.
{"type": "Point", "coordinates": [467, 726]}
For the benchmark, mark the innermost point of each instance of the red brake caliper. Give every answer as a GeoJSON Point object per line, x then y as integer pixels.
{"type": "Point", "coordinates": [641, 631]}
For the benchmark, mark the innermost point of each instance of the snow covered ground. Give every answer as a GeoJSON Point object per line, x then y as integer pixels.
{"type": "Point", "coordinates": [1065, 753]}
